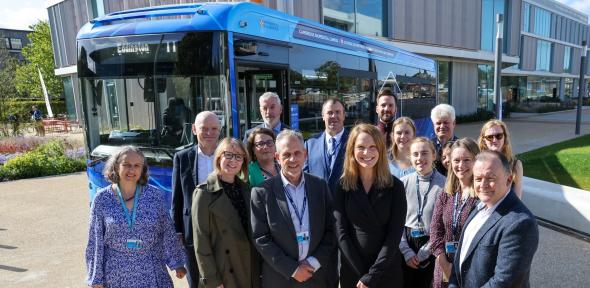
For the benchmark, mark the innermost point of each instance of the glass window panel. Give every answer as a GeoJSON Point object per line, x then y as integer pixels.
{"type": "Point", "coordinates": [16, 43]}
{"type": "Point", "coordinates": [348, 15]}
{"type": "Point", "coordinates": [370, 14]}
{"type": "Point", "coordinates": [567, 59]}
{"type": "Point", "coordinates": [542, 22]}
{"type": "Point", "coordinates": [526, 17]}
{"type": "Point", "coordinates": [487, 25]}
{"type": "Point", "coordinates": [485, 87]}
{"type": "Point", "coordinates": [444, 82]}
{"type": "Point", "coordinates": [543, 60]}
{"type": "Point", "coordinates": [340, 14]}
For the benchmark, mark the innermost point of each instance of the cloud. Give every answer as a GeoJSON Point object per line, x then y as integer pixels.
{"type": "Point", "coordinates": [21, 17]}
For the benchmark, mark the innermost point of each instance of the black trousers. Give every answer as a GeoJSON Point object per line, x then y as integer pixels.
{"type": "Point", "coordinates": [421, 277]}
{"type": "Point", "coordinates": [192, 273]}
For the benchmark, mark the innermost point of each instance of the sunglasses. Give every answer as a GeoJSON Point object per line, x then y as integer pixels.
{"type": "Point", "coordinates": [498, 137]}
{"type": "Point", "coordinates": [229, 156]}
{"type": "Point", "coordinates": [261, 144]}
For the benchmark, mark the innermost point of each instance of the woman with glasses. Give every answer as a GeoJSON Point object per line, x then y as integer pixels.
{"type": "Point", "coordinates": [403, 131]}
{"type": "Point", "coordinates": [221, 221]}
{"type": "Point", "coordinates": [369, 208]}
{"type": "Point", "coordinates": [452, 209]}
{"type": "Point", "coordinates": [494, 136]}
{"type": "Point", "coordinates": [261, 145]}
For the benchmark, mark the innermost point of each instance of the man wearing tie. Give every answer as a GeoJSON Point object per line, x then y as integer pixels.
{"type": "Point", "coordinates": [326, 150]}
{"type": "Point", "coordinates": [271, 111]}
{"type": "Point", "coordinates": [292, 223]}
{"type": "Point", "coordinates": [501, 236]}
{"type": "Point", "coordinates": [191, 167]}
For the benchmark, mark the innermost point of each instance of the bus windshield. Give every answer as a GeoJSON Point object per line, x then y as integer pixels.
{"type": "Point", "coordinates": [146, 90]}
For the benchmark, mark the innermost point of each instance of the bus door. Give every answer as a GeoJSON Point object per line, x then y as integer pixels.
{"type": "Point", "coordinates": [253, 82]}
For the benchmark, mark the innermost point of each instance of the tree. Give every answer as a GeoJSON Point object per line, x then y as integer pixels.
{"type": "Point", "coordinates": [38, 55]}
{"type": "Point", "coordinates": [8, 65]}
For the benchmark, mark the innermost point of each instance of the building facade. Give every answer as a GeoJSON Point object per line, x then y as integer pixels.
{"type": "Point", "coordinates": [14, 41]}
{"type": "Point", "coordinates": [541, 48]}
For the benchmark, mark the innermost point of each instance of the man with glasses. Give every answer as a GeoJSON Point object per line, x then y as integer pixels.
{"type": "Point", "coordinates": [292, 224]}
{"type": "Point", "coordinates": [191, 167]}
{"type": "Point", "coordinates": [271, 111]}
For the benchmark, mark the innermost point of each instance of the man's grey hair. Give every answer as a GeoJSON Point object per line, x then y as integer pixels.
{"type": "Point", "coordinates": [489, 156]}
{"type": "Point", "coordinates": [288, 134]}
{"type": "Point", "coordinates": [204, 115]}
{"type": "Point", "coordinates": [442, 111]}
{"type": "Point", "coordinates": [269, 95]}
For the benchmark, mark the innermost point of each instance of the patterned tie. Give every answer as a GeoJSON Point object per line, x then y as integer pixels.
{"type": "Point", "coordinates": [332, 150]}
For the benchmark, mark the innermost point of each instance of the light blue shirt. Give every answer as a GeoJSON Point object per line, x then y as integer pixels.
{"type": "Point", "coordinates": [398, 172]}
{"type": "Point", "coordinates": [297, 193]}
{"type": "Point", "coordinates": [276, 129]}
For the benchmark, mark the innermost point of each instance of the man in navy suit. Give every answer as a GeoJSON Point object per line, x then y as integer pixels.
{"type": "Point", "coordinates": [501, 236]}
{"type": "Point", "coordinates": [271, 111]}
{"type": "Point", "coordinates": [326, 150]}
{"type": "Point", "coordinates": [191, 167]}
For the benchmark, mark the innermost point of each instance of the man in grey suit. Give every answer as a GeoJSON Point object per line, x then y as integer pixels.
{"type": "Point", "coordinates": [271, 111]}
{"type": "Point", "coordinates": [501, 236]}
{"type": "Point", "coordinates": [291, 221]}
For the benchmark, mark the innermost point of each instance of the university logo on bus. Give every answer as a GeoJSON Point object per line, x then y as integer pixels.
{"type": "Point", "coordinates": [133, 48]}
{"type": "Point", "coordinates": [268, 25]}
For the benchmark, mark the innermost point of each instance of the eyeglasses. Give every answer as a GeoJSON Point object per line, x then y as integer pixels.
{"type": "Point", "coordinates": [498, 137]}
{"type": "Point", "coordinates": [261, 144]}
{"type": "Point", "coordinates": [229, 156]}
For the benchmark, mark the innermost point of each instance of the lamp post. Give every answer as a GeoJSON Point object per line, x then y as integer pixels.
{"type": "Point", "coordinates": [582, 87]}
{"type": "Point", "coordinates": [498, 65]}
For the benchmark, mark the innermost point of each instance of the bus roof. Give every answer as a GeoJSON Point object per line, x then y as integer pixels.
{"type": "Point", "coordinates": [248, 19]}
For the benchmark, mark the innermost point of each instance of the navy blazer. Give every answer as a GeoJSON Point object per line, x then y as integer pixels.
{"type": "Point", "coordinates": [184, 181]}
{"type": "Point", "coordinates": [502, 251]}
{"type": "Point", "coordinates": [316, 163]}
{"type": "Point", "coordinates": [249, 131]}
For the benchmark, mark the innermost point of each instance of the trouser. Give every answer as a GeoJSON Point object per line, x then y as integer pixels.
{"type": "Point", "coordinates": [192, 275]}
{"type": "Point", "coordinates": [421, 277]}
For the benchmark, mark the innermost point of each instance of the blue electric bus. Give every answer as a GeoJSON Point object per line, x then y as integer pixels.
{"type": "Point", "coordinates": [145, 74]}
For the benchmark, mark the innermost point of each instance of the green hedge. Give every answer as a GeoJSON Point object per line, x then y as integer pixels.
{"type": "Point", "coordinates": [47, 159]}
{"type": "Point", "coordinates": [22, 108]}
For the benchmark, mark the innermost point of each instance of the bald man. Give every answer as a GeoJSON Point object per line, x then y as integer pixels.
{"type": "Point", "coordinates": [191, 167]}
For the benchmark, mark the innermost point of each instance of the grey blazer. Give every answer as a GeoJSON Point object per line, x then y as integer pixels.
{"type": "Point", "coordinates": [274, 234]}
{"type": "Point", "coordinates": [501, 253]}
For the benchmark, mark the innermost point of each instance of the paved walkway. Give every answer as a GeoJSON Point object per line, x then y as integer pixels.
{"type": "Point", "coordinates": [44, 221]}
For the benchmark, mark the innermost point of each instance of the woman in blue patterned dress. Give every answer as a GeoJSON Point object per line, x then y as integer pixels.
{"type": "Point", "coordinates": [131, 238]}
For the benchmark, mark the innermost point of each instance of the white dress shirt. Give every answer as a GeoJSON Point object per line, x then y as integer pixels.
{"type": "Point", "coordinates": [475, 224]}
{"type": "Point", "coordinates": [205, 165]}
{"type": "Point", "coordinates": [337, 136]}
{"type": "Point", "coordinates": [297, 193]}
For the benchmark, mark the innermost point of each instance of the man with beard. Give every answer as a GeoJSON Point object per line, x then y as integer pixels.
{"type": "Point", "coordinates": [386, 112]}
{"type": "Point", "coordinates": [443, 120]}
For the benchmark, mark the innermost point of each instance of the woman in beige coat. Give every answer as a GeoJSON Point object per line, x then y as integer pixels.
{"type": "Point", "coordinates": [221, 222]}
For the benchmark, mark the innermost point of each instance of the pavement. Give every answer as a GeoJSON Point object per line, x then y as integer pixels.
{"type": "Point", "coordinates": [44, 221]}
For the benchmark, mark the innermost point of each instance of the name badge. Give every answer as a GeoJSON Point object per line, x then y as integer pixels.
{"type": "Point", "coordinates": [417, 232]}
{"type": "Point", "coordinates": [302, 237]}
{"type": "Point", "coordinates": [451, 247]}
{"type": "Point", "coordinates": [134, 244]}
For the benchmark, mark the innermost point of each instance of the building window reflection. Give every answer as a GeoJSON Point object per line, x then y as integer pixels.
{"type": "Point", "coordinates": [485, 87]}
{"type": "Point", "coordinates": [444, 82]}
{"type": "Point", "coordinates": [542, 22]}
{"type": "Point", "coordinates": [526, 18]}
{"type": "Point", "coordinates": [356, 16]}
{"type": "Point", "coordinates": [543, 55]}
{"type": "Point", "coordinates": [489, 9]}
{"type": "Point", "coordinates": [567, 60]}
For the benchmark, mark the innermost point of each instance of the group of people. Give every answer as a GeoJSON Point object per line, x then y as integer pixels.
{"type": "Point", "coordinates": [369, 206]}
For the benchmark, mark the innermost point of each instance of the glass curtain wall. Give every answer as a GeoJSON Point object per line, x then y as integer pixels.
{"type": "Point", "coordinates": [485, 87]}
{"type": "Point", "coordinates": [567, 60]}
{"type": "Point", "coordinates": [444, 82]}
{"type": "Point", "coordinates": [526, 17]}
{"type": "Point", "coordinates": [357, 16]}
{"type": "Point", "coordinates": [543, 55]}
{"type": "Point", "coordinates": [542, 22]}
{"type": "Point", "coordinates": [489, 9]}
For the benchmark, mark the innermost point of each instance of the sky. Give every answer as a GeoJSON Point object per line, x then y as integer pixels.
{"type": "Point", "coordinates": [19, 14]}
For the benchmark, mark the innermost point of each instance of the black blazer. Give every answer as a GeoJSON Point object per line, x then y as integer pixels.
{"type": "Point", "coordinates": [274, 234]}
{"type": "Point", "coordinates": [502, 251]}
{"type": "Point", "coordinates": [184, 181]}
{"type": "Point", "coordinates": [369, 228]}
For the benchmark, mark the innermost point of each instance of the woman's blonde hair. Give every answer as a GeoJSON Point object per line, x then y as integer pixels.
{"type": "Point", "coordinates": [351, 173]}
{"type": "Point", "coordinates": [394, 150]}
{"type": "Point", "coordinates": [507, 148]}
{"type": "Point", "coordinates": [222, 146]}
{"type": "Point", "coordinates": [111, 168]}
{"type": "Point", "coordinates": [453, 185]}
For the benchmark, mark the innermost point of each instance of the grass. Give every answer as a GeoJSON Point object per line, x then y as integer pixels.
{"type": "Point", "coordinates": [566, 163]}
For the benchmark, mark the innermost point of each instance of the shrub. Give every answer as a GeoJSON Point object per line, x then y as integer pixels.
{"type": "Point", "coordinates": [20, 144]}
{"type": "Point", "coordinates": [47, 159]}
{"type": "Point", "coordinates": [480, 115]}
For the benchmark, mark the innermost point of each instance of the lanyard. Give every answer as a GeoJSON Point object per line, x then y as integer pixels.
{"type": "Point", "coordinates": [299, 215]}
{"type": "Point", "coordinates": [457, 213]}
{"type": "Point", "coordinates": [422, 202]}
{"type": "Point", "coordinates": [130, 218]}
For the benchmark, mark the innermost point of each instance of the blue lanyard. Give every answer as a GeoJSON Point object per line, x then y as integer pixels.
{"type": "Point", "coordinates": [422, 203]}
{"type": "Point", "coordinates": [457, 213]}
{"type": "Point", "coordinates": [130, 218]}
{"type": "Point", "coordinates": [299, 215]}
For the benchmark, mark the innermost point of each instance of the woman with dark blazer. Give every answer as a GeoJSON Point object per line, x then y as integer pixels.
{"type": "Point", "coordinates": [221, 222]}
{"type": "Point", "coordinates": [369, 207]}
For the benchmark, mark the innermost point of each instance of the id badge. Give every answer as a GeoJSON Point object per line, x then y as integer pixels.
{"type": "Point", "coordinates": [134, 244]}
{"type": "Point", "coordinates": [417, 232]}
{"type": "Point", "coordinates": [451, 247]}
{"type": "Point", "coordinates": [302, 237]}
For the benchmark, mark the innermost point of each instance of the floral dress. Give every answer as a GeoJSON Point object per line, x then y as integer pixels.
{"type": "Point", "coordinates": [109, 260]}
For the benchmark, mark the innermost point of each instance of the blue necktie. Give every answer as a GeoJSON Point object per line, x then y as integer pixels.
{"type": "Point", "coordinates": [332, 151]}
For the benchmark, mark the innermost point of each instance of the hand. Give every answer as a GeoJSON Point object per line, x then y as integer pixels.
{"type": "Point", "coordinates": [220, 286]}
{"type": "Point", "coordinates": [361, 285]}
{"type": "Point", "coordinates": [413, 262]}
{"type": "Point", "coordinates": [180, 272]}
{"type": "Point", "coordinates": [303, 272]}
{"type": "Point", "coordinates": [445, 265]}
